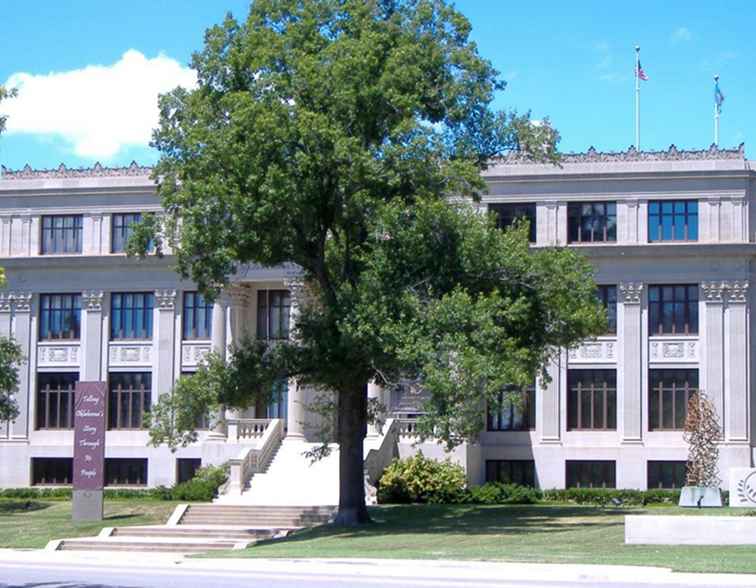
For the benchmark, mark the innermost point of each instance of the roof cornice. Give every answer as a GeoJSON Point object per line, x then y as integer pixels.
{"type": "Point", "coordinates": [63, 172]}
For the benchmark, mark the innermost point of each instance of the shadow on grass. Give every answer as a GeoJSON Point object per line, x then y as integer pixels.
{"type": "Point", "coordinates": [468, 520]}
{"type": "Point", "coordinates": [20, 506]}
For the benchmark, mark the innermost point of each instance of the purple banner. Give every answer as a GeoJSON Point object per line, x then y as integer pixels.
{"type": "Point", "coordinates": [89, 436]}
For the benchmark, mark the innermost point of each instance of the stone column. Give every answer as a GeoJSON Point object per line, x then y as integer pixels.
{"type": "Point", "coordinates": [90, 351]}
{"type": "Point", "coordinates": [375, 394]}
{"type": "Point", "coordinates": [736, 369]}
{"type": "Point", "coordinates": [163, 343]}
{"type": "Point", "coordinates": [713, 349]}
{"type": "Point", "coordinates": [24, 336]}
{"type": "Point", "coordinates": [630, 376]}
{"type": "Point", "coordinates": [5, 331]}
{"type": "Point", "coordinates": [296, 411]}
{"type": "Point", "coordinates": [237, 298]}
{"type": "Point", "coordinates": [219, 347]}
{"type": "Point", "coordinates": [548, 409]}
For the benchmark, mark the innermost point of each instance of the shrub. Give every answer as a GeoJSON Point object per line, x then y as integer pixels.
{"type": "Point", "coordinates": [203, 487]}
{"type": "Point", "coordinates": [421, 479]}
{"type": "Point", "coordinates": [498, 493]}
{"type": "Point", "coordinates": [604, 496]}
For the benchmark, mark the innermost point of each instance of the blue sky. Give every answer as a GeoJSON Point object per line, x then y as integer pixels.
{"type": "Point", "coordinates": [90, 70]}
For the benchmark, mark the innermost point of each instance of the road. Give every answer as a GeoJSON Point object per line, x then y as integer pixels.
{"type": "Point", "coordinates": [128, 571]}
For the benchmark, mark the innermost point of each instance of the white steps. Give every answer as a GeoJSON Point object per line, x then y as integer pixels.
{"type": "Point", "coordinates": [292, 479]}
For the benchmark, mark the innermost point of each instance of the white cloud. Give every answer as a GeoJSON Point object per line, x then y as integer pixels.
{"type": "Point", "coordinates": [99, 109]}
{"type": "Point", "coordinates": [681, 34]}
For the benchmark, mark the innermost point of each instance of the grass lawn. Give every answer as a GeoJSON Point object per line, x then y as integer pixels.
{"type": "Point", "coordinates": [32, 523]}
{"type": "Point", "coordinates": [543, 533]}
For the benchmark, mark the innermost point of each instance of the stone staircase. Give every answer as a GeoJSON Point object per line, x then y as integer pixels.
{"type": "Point", "coordinates": [198, 528]}
{"type": "Point", "coordinates": [292, 479]}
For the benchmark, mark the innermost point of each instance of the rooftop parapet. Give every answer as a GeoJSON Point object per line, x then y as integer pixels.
{"type": "Point", "coordinates": [62, 172]}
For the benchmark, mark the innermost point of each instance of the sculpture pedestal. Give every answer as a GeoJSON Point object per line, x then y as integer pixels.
{"type": "Point", "coordinates": [700, 497]}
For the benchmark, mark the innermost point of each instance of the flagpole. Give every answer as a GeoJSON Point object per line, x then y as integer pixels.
{"type": "Point", "coordinates": [637, 98]}
{"type": "Point", "coordinates": [716, 114]}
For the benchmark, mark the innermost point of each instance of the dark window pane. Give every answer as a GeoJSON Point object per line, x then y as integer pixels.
{"type": "Point", "coordinates": [52, 471]}
{"type": "Point", "coordinates": [129, 399]}
{"type": "Point", "coordinates": [131, 315]}
{"type": "Point", "coordinates": [507, 214]}
{"type": "Point", "coordinates": [669, 391]}
{"type": "Point", "coordinates": [592, 394]}
{"type": "Point", "coordinates": [590, 474]}
{"type": "Point", "coordinates": [521, 472]}
{"type": "Point", "coordinates": [125, 472]}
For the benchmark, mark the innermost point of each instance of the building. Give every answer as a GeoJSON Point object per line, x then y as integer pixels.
{"type": "Point", "coordinates": [671, 234]}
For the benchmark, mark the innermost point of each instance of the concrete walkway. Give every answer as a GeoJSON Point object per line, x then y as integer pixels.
{"type": "Point", "coordinates": [390, 570]}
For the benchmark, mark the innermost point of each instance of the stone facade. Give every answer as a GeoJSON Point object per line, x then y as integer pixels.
{"type": "Point", "coordinates": [717, 264]}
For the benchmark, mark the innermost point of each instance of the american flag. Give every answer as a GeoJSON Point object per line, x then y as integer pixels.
{"type": "Point", "coordinates": [640, 73]}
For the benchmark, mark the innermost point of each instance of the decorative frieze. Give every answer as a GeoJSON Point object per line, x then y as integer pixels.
{"type": "Point", "coordinates": [63, 172]}
{"type": "Point", "coordinates": [5, 302]}
{"type": "Point", "coordinates": [192, 354]}
{"type": "Point", "coordinates": [737, 292]}
{"type": "Point", "coordinates": [125, 355]}
{"type": "Point", "coordinates": [732, 291]}
{"type": "Point", "coordinates": [632, 154]}
{"type": "Point", "coordinates": [673, 350]}
{"type": "Point", "coordinates": [594, 352]}
{"type": "Point", "coordinates": [21, 301]}
{"type": "Point", "coordinates": [165, 299]}
{"type": "Point", "coordinates": [91, 300]}
{"type": "Point", "coordinates": [630, 292]}
{"type": "Point", "coordinates": [713, 291]}
{"type": "Point", "coordinates": [58, 355]}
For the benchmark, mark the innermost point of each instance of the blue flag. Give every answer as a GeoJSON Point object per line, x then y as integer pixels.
{"type": "Point", "coordinates": [718, 96]}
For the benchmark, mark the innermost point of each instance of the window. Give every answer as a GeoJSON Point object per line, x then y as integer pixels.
{"type": "Point", "coordinates": [591, 474]}
{"type": "Point", "coordinates": [592, 399]}
{"type": "Point", "coordinates": [673, 310]}
{"type": "Point", "coordinates": [608, 297]}
{"type": "Point", "coordinates": [55, 400]}
{"type": "Point", "coordinates": [61, 234]}
{"type": "Point", "coordinates": [669, 392]}
{"type": "Point", "coordinates": [186, 468]}
{"type": "Point", "coordinates": [507, 214]}
{"type": "Point", "coordinates": [273, 308]}
{"type": "Point", "coordinates": [513, 414]}
{"type": "Point", "coordinates": [131, 315]}
{"type": "Point", "coordinates": [511, 471]}
{"type": "Point", "coordinates": [592, 222]}
{"type": "Point", "coordinates": [277, 408]}
{"type": "Point", "coordinates": [667, 474]}
{"type": "Point", "coordinates": [673, 220]}
{"type": "Point", "coordinates": [198, 317]}
{"type": "Point", "coordinates": [125, 472]}
{"type": "Point", "coordinates": [59, 316]}
{"type": "Point", "coordinates": [52, 471]}
{"type": "Point", "coordinates": [121, 229]}
{"type": "Point", "coordinates": [129, 399]}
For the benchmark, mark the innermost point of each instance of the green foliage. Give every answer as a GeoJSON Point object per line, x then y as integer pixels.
{"type": "Point", "coordinates": [5, 93]}
{"type": "Point", "coordinates": [604, 496]}
{"type": "Point", "coordinates": [203, 487]}
{"type": "Point", "coordinates": [498, 493]}
{"type": "Point", "coordinates": [421, 479]}
{"type": "Point", "coordinates": [348, 138]}
{"type": "Point", "coordinates": [11, 358]}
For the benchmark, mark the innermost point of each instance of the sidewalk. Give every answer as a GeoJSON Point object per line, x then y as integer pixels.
{"type": "Point", "coordinates": [379, 568]}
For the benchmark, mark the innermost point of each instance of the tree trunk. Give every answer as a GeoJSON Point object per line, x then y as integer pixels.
{"type": "Point", "coordinates": [352, 428]}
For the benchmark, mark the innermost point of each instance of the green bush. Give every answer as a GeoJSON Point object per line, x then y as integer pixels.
{"type": "Point", "coordinates": [420, 479]}
{"type": "Point", "coordinates": [203, 487]}
{"type": "Point", "coordinates": [604, 496]}
{"type": "Point", "coordinates": [498, 493]}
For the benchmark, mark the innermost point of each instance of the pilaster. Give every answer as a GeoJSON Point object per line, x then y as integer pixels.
{"type": "Point", "coordinates": [548, 412]}
{"type": "Point", "coordinates": [24, 336]}
{"type": "Point", "coordinates": [630, 369]}
{"type": "Point", "coordinates": [219, 347]}
{"type": "Point", "coordinates": [164, 343]}
{"type": "Point", "coordinates": [736, 401]}
{"type": "Point", "coordinates": [91, 335]}
{"type": "Point", "coordinates": [295, 411]}
{"type": "Point", "coordinates": [713, 356]}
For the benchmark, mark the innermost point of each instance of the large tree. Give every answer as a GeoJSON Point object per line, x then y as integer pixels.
{"type": "Point", "coordinates": [348, 137]}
